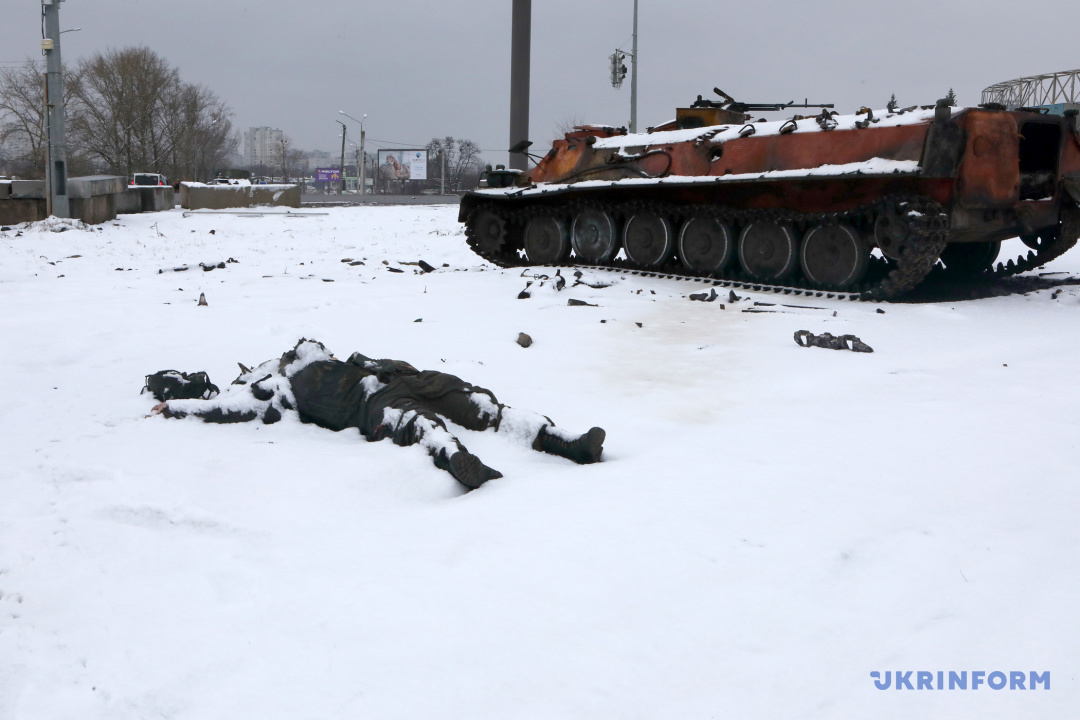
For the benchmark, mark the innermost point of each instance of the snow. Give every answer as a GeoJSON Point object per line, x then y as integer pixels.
{"type": "Point", "coordinates": [873, 166]}
{"type": "Point", "coordinates": [770, 524]}
{"type": "Point", "coordinates": [723, 133]}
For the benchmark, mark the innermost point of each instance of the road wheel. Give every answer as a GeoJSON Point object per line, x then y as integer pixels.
{"type": "Point", "coordinates": [593, 236]}
{"type": "Point", "coordinates": [970, 258]}
{"type": "Point", "coordinates": [834, 256]}
{"type": "Point", "coordinates": [648, 239]}
{"type": "Point", "coordinates": [768, 250]}
{"type": "Point", "coordinates": [705, 244]}
{"type": "Point", "coordinates": [547, 240]}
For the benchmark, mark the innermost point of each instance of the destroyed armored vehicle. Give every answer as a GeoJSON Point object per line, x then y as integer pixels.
{"type": "Point", "coordinates": [863, 205]}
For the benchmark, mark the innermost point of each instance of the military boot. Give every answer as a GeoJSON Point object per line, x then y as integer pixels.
{"type": "Point", "coordinates": [468, 470]}
{"type": "Point", "coordinates": [584, 450]}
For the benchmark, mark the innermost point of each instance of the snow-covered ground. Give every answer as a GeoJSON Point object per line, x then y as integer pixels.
{"type": "Point", "coordinates": [771, 524]}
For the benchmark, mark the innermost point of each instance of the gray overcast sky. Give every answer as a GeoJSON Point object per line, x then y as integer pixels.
{"type": "Point", "coordinates": [421, 68]}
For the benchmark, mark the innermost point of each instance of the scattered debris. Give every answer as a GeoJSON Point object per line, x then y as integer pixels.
{"type": "Point", "coordinates": [880, 311]}
{"type": "Point", "coordinates": [418, 320]}
{"type": "Point", "coordinates": [580, 303]}
{"type": "Point", "coordinates": [579, 281]}
{"type": "Point", "coordinates": [425, 267]}
{"type": "Point", "coordinates": [211, 266]}
{"type": "Point", "coordinates": [805, 338]}
{"type": "Point", "coordinates": [202, 300]}
{"type": "Point", "coordinates": [705, 297]}
{"type": "Point", "coordinates": [182, 268]}
{"type": "Point", "coordinates": [524, 340]}
{"type": "Point", "coordinates": [525, 294]}
{"type": "Point", "coordinates": [354, 263]}
{"type": "Point", "coordinates": [346, 260]}
{"type": "Point", "coordinates": [560, 281]}
{"type": "Point", "coordinates": [328, 279]}
{"type": "Point", "coordinates": [639, 324]}
{"type": "Point", "coordinates": [5, 228]}
{"type": "Point", "coordinates": [1054, 295]}
{"type": "Point", "coordinates": [732, 297]}
{"type": "Point", "coordinates": [397, 270]}
{"type": "Point", "coordinates": [213, 232]}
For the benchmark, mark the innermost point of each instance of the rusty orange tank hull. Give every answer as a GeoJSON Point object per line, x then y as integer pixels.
{"type": "Point", "coordinates": [798, 193]}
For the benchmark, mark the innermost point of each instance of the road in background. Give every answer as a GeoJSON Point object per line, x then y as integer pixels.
{"type": "Point", "coordinates": [346, 200]}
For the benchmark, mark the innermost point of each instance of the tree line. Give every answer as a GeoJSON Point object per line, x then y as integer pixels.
{"type": "Point", "coordinates": [127, 111]}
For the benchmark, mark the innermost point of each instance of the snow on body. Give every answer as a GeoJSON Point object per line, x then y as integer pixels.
{"type": "Point", "coordinates": [770, 524]}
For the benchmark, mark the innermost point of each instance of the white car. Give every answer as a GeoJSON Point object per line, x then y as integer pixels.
{"type": "Point", "coordinates": [149, 179]}
{"type": "Point", "coordinates": [228, 181]}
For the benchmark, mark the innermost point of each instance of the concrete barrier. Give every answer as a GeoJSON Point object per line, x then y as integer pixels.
{"type": "Point", "coordinates": [15, 207]}
{"type": "Point", "coordinates": [198, 196]}
{"type": "Point", "coordinates": [28, 189]}
{"type": "Point", "coordinates": [94, 199]}
{"type": "Point", "coordinates": [149, 198]}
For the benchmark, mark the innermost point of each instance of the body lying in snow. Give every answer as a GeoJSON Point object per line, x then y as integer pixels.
{"type": "Point", "coordinates": [383, 399]}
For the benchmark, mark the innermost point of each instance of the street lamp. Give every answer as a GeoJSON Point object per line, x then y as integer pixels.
{"type": "Point", "coordinates": [343, 132]}
{"type": "Point", "coordinates": [363, 157]}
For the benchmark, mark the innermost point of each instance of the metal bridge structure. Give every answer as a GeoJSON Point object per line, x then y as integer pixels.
{"type": "Point", "coordinates": [1039, 90]}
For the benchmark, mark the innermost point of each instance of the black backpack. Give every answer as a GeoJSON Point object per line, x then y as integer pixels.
{"type": "Point", "coordinates": [175, 385]}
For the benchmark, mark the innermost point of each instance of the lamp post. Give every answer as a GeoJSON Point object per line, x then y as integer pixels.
{"type": "Point", "coordinates": [56, 144]}
{"type": "Point", "coordinates": [357, 149]}
{"type": "Point", "coordinates": [343, 132]}
{"type": "Point", "coordinates": [633, 76]}
{"type": "Point", "coordinates": [363, 157]}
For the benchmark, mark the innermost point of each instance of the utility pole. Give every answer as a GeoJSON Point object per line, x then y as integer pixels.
{"type": "Point", "coordinates": [359, 171]}
{"type": "Point", "coordinates": [56, 138]}
{"type": "Point", "coordinates": [363, 162]}
{"type": "Point", "coordinates": [633, 76]}
{"type": "Point", "coordinates": [342, 155]}
{"type": "Point", "coordinates": [520, 51]}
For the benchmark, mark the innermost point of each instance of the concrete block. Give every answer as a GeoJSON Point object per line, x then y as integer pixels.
{"type": "Point", "coordinates": [196, 196]}
{"type": "Point", "coordinates": [128, 202]}
{"type": "Point", "coordinates": [28, 189]}
{"type": "Point", "coordinates": [93, 185]}
{"type": "Point", "coordinates": [94, 210]}
{"type": "Point", "coordinates": [14, 211]}
{"type": "Point", "coordinates": [277, 195]}
{"type": "Point", "coordinates": [140, 199]}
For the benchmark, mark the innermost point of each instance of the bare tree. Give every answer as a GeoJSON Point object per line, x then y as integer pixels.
{"type": "Point", "coordinates": [566, 125]}
{"type": "Point", "coordinates": [22, 120]}
{"type": "Point", "coordinates": [462, 159]}
{"type": "Point", "coordinates": [140, 117]}
{"type": "Point", "coordinates": [286, 158]}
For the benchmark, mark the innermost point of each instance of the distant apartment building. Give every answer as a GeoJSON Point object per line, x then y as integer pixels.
{"type": "Point", "coordinates": [322, 159]}
{"type": "Point", "coordinates": [261, 145]}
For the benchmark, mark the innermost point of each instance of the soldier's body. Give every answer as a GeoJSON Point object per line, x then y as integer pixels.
{"type": "Point", "coordinates": [384, 399]}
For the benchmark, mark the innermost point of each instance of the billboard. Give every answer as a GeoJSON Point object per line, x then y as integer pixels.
{"type": "Point", "coordinates": [403, 165]}
{"type": "Point", "coordinates": [328, 174]}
